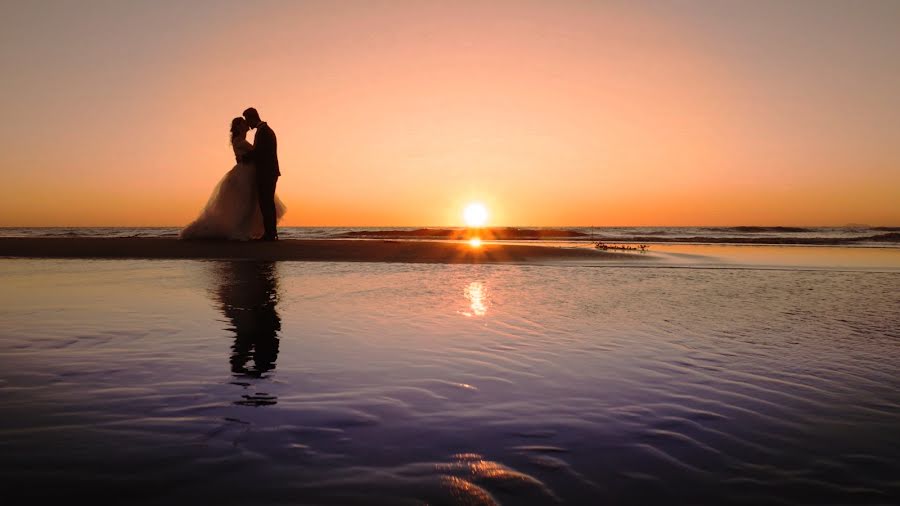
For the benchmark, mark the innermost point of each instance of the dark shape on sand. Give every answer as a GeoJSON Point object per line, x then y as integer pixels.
{"type": "Point", "coordinates": [621, 247]}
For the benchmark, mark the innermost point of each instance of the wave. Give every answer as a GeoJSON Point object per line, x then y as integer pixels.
{"type": "Point", "coordinates": [653, 236]}
{"type": "Point", "coordinates": [506, 233]}
{"type": "Point", "coordinates": [882, 235]}
{"type": "Point", "coordinates": [756, 230]}
{"type": "Point", "coordinates": [891, 237]}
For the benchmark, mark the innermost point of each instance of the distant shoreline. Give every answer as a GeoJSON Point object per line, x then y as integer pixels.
{"type": "Point", "coordinates": [750, 235]}
{"type": "Point", "coordinates": [324, 250]}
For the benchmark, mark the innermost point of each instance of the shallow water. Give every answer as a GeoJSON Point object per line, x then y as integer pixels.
{"type": "Point", "coordinates": [171, 382]}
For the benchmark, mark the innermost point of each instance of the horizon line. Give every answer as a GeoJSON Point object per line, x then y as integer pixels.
{"type": "Point", "coordinates": [846, 225]}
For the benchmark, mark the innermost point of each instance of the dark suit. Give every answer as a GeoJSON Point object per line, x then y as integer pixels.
{"type": "Point", "coordinates": [265, 157]}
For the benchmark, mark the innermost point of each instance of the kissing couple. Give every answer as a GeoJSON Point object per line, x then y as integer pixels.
{"type": "Point", "coordinates": [243, 206]}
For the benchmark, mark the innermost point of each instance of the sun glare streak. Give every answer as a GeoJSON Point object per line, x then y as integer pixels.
{"type": "Point", "coordinates": [476, 294]}
{"type": "Point", "coordinates": [475, 242]}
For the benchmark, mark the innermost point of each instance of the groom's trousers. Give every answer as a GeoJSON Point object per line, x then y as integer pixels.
{"type": "Point", "coordinates": [265, 186]}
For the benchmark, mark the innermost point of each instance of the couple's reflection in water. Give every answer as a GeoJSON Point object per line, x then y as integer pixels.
{"type": "Point", "coordinates": [247, 294]}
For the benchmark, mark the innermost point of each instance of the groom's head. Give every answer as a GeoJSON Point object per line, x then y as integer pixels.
{"type": "Point", "coordinates": [252, 117]}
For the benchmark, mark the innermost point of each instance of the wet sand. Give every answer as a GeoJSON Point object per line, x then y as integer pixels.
{"type": "Point", "coordinates": [327, 250]}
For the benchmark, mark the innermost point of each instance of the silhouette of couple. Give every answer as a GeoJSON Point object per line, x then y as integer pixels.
{"type": "Point", "coordinates": [243, 205]}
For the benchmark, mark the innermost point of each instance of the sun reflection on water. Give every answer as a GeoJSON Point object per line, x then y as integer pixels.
{"type": "Point", "coordinates": [476, 295]}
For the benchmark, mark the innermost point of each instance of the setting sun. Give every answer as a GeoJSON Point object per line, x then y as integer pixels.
{"type": "Point", "coordinates": [475, 214]}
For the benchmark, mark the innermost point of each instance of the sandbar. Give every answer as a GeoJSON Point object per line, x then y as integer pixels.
{"type": "Point", "coordinates": [325, 250]}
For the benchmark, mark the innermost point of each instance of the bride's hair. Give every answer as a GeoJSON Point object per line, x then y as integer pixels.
{"type": "Point", "coordinates": [236, 126]}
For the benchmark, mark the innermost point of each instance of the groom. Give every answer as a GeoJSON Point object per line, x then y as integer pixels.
{"type": "Point", "coordinates": [265, 157]}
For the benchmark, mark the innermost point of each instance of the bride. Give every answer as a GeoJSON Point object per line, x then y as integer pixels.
{"type": "Point", "coordinates": [232, 211]}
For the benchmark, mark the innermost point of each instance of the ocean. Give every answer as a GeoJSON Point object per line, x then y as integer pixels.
{"type": "Point", "coordinates": [848, 236]}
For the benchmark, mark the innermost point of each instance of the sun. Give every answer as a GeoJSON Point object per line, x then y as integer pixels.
{"type": "Point", "coordinates": [475, 215]}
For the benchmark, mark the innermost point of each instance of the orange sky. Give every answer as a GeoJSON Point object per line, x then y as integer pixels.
{"type": "Point", "coordinates": [399, 113]}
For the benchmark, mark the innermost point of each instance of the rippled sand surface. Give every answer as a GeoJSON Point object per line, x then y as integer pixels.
{"type": "Point", "coordinates": [175, 382]}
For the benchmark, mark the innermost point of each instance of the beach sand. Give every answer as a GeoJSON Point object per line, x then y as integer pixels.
{"type": "Point", "coordinates": [329, 250]}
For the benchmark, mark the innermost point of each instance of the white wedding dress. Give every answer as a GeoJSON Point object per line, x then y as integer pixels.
{"type": "Point", "coordinates": [232, 211]}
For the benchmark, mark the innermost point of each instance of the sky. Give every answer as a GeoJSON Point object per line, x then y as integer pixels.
{"type": "Point", "coordinates": [399, 113]}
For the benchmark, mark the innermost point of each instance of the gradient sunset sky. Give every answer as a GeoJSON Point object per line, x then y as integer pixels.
{"type": "Point", "coordinates": [401, 112]}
